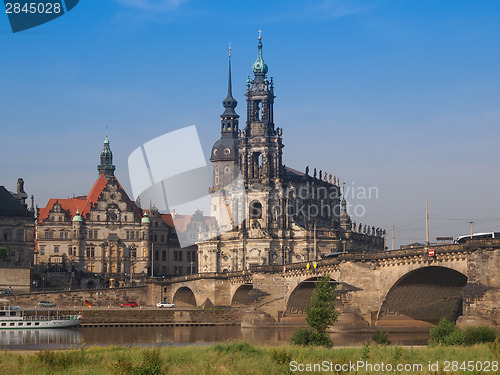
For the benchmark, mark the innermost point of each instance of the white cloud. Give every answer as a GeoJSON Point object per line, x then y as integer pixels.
{"type": "Point", "coordinates": [153, 5]}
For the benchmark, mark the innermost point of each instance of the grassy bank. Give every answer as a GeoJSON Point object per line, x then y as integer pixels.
{"type": "Point", "coordinates": [239, 358]}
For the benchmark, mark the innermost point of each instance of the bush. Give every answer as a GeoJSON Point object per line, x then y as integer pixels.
{"type": "Point", "coordinates": [441, 330]}
{"type": "Point", "coordinates": [308, 336]}
{"type": "Point", "coordinates": [380, 337]}
{"type": "Point", "coordinates": [447, 333]}
{"type": "Point", "coordinates": [456, 337]}
{"type": "Point", "coordinates": [479, 335]}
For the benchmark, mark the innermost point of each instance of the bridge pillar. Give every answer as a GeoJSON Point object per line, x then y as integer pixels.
{"type": "Point", "coordinates": [481, 295]}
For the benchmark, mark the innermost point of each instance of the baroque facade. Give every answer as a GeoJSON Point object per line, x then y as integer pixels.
{"type": "Point", "coordinates": [17, 228]}
{"type": "Point", "coordinates": [284, 216]}
{"type": "Point", "coordinates": [105, 236]}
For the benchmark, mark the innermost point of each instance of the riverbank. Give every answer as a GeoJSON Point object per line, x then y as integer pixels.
{"type": "Point", "coordinates": [243, 358]}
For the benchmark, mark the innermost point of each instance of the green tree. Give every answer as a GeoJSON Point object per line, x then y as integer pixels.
{"type": "Point", "coordinates": [3, 252]}
{"type": "Point", "coordinates": [320, 312]}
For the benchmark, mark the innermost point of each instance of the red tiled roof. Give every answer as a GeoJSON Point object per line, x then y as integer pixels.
{"type": "Point", "coordinates": [83, 203]}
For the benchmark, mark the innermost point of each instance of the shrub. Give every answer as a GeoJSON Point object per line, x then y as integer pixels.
{"type": "Point", "coordinates": [455, 337]}
{"type": "Point", "coordinates": [479, 335]}
{"type": "Point", "coordinates": [308, 336]}
{"type": "Point", "coordinates": [445, 332]}
{"type": "Point", "coordinates": [380, 337]}
{"type": "Point", "coordinates": [441, 330]}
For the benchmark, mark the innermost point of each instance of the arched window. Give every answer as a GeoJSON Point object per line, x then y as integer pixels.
{"type": "Point", "coordinates": [255, 210]}
{"type": "Point", "coordinates": [257, 164]}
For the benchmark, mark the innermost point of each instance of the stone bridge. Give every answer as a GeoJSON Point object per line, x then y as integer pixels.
{"type": "Point", "coordinates": [393, 288]}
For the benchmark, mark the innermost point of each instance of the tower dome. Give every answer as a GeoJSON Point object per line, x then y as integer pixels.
{"type": "Point", "coordinates": [259, 67]}
{"type": "Point", "coordinates": [77, 217]}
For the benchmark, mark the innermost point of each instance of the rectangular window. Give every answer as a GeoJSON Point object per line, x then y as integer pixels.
{"type": "Point", "coordinates": [42, 250]}
{"type": "Point", "coordinates": [137, 235]}
{"type": "Point", "coordinates": [49, 235]}
{"type": "Point", "coordinates": [164, 256]}
{"type": "Point", "coordinates": [132, 235]}
{"type": "Point", "coordinates": [176, 256]}
{"type": "Point", "coordinates": [128, 235]}
{"type": "Point", "coordinates": [133, 252]}
{"type": "Point", "coordinates": [56, 249]}
{"type": "Point", "coordinates": [164, 270]}
{"type": "Point", "coordinates": [157, 255]}
{"type": "Point", "coordinates": [162, 238]}
{"type": "Point", "coordinates": [180, 256]}
{"type": "Point", "coordinates": [20, 235]}
{"type": "Point", "coordinates": [70, 250]}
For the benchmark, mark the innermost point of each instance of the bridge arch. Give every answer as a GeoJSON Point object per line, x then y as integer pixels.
{"type": "Point", "coordinates": [240, 296]}
{"type": "Point", "coordinates": [184, 296]}
{"type": "Point", "coordinates": [425, 294]}
{"type": "Point", "coordinates": [300, 296]}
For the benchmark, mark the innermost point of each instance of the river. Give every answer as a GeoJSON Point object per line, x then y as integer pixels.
{"type": "Point", "coordinates": [147, 336]}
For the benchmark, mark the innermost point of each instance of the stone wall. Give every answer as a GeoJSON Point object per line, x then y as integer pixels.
{"type": "Point", "coordinates": [97, 297]}
{"type": "Point", "coordinates": [145, 316]}
{"type": "Point", "coordinates": [17, 278]}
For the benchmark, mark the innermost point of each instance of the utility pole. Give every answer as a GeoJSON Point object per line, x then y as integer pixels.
{"type": "Point", "coordinates": [427, 222]}
{"type": "Point", "coordinates": [471, 223]}
{"type": "Point", "coordinates": [393, 229]}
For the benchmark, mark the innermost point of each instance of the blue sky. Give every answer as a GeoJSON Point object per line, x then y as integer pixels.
{"type": "Point", "coordinates": [399, 95]}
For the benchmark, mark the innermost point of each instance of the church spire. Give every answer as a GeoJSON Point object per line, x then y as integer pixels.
{"type": "Point", "coordinates": [259, 67]}
{"type": "Point", "coordinates": [106, 165]}
{"type": "Point", "coordinates": [229, 119]}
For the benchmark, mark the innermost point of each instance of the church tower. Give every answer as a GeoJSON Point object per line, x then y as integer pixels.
{"type": "Point", "coordinates": [224, 155]}
{"type": "Point", "coordinates": [106, 165]}
{"type": "Point", "coordinates": [261, 144]}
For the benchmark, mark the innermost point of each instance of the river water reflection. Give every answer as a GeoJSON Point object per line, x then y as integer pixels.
{"type": "Point", "coordinates": [144, 336]}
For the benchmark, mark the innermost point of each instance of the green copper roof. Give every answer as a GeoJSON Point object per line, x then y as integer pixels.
{"type": "Point", "coordinates": [259, 66]}
{"type": "Point", "coordinates": [77, 217]}
{"type": "Point", "coordinates": [145, 219]}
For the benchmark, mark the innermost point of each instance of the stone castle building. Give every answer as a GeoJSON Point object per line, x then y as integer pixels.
{"type": "Point", "coordinates": [105, 236]}
{"type": "Point", "coordinates": [289, 216]}
{"type": "Point", "coordinates": [17, 228]}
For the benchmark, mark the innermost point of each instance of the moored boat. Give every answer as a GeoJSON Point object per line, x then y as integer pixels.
{"type": "Point", "coordinates": [12, 317]}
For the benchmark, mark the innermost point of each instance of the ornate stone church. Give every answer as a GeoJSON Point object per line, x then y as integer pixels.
{"type": "Point", "coordinates": [285, 216]}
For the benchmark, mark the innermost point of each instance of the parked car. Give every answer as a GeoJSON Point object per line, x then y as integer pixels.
{"type": "Point", "coordinates": [129, 304]}
{"type": "Point", "coordinates": [165, 304]}
{"type": "Point", "coordinates": [45, 304]}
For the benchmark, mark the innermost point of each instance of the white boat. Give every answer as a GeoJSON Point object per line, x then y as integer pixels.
{"type": "Point", "coordinates": [12, 317]}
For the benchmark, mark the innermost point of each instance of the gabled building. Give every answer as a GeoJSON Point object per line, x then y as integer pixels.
{"type": "Point", "coordinates": [105, 236]}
